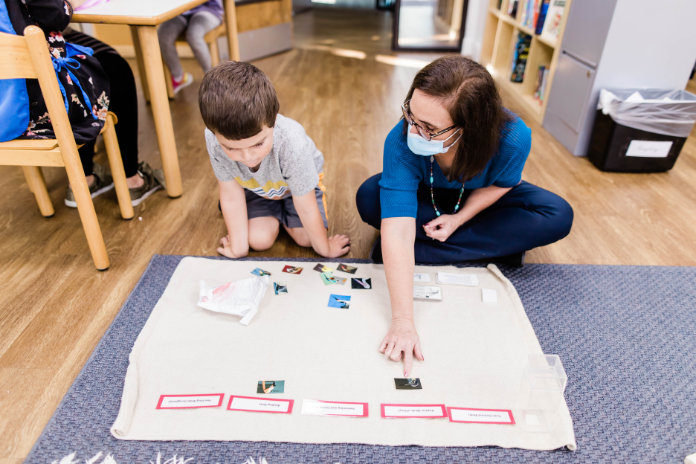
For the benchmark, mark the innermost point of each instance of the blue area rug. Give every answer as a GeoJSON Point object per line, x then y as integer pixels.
{"type": "Point", "coordinates": [626, 336]}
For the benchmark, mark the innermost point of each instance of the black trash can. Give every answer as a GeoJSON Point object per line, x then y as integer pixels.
{"type": "Point", "coordinates": [641, 133]}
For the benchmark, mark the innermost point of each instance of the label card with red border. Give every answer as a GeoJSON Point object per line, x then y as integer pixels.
{"type": "Point", "coordinates": [206, 400]}
{"type": "Point", "coordinates": [427, 411]}
{"type": "Point", "coordinates": [248, 403]}
{"type": "Point", "coordinates": [333, 408]}
{"type": "Point", "coordinates": [481, 416]}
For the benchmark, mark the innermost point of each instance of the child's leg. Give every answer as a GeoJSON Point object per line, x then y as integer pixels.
{"type": "Point", "coordinates": [263, 232]}
{"type": "Point", "coordinates": [168, 32]}
{"type": "Point", "coordinates": [199, 25]}
{"type": "Point", "coordinates": [292, 223]}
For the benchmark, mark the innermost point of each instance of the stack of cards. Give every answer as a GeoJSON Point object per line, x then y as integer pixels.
{"type": "Point", "coordinates": [427, 293]}
{"type": "Point", "coordinates": [469, 280]}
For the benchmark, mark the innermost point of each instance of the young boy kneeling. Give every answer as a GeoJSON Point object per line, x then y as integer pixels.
{"type": "Point", "coordinates": [269, 171]}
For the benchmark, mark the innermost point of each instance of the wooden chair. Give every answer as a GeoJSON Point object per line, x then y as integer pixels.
{"type": "Point", "coordinates": [211, 38]}
{"type": "Point", "coordinates": [28, 58]}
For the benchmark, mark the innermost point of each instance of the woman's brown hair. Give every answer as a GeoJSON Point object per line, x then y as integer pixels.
{"type": "Point", "coordinates": [471, 97]}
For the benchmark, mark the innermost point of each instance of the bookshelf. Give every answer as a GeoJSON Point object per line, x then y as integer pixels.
{"type": "Point", "coordinates": [497, 52]}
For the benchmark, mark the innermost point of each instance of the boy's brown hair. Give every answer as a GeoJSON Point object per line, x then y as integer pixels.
{"type": "Point", "coordinates": [237, 99]}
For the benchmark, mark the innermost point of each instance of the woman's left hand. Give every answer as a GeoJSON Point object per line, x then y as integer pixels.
{"type": "Point", "coordinates": [442, 227]}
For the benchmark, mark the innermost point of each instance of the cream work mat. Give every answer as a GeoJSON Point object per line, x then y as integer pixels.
{"type": "Point", "coordinates": [475, 354]}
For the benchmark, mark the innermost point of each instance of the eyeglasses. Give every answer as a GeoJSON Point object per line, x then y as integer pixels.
{"type": "Point", "coordinates": [423, 133]}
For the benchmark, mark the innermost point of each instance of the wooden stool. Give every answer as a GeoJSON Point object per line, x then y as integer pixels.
{"type": "Point", "coordinates": [211, 39]}
{"type": "Point", "coordinates": [28, 58]}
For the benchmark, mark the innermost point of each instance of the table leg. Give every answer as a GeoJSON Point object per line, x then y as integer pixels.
{"type": "Point", "coordinates": [139, 60]}
{"type": "Point", "coordinates": [152, 59]}
{"type": "Point", "coordinates": [232, 39]}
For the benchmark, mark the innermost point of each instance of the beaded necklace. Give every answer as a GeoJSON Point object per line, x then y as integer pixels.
{"type": "Point", "coordinates": [432, 195]}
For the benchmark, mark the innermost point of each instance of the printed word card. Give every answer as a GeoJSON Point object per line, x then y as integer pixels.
{"type": "Point", "coordinates": [489, 296]}
{"type": "Point", "coordinates": [427, 293]}
{"type": "Point", "coordinates": [333, 408]}
{"type": "Point", "coordinates": [481, 416]}
{"type": "Point", "coordinates": [247, 403]}
{"type": "Point", "coordinates": [419, 277]}
{"type": "Point", "coordinates": [470, 280]}
{"type": "Point", "coordinates": [425, 411]}
{"type": "Point", "coordinates": [208, 400]}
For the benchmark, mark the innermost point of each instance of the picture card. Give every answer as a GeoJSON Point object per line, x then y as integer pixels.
{"type": "Point", "coordinates": [427, 293]}
{"type": "Point", "coordinates": [292, 269]}
{"type": "Point", "coordinates": [424, 411]}
{"type": "Point", "coordinates": [339, 301]}
{"type": "Point", "coordinates": [329, 279]}
{"type": "Point", "coordinates": [322, 268]}
{"type": "Point", "coordinates": [408, 384]}
{"type": "Point", "coordinates": [361, 284]}
{"type": "Point", "coordinates": [421, 277]}
{"type": "Point", "coordinates": [346, 268]}
{"type": "Point", "coordinates": [333, 408]}
{"type": "Point", "coordinates": [469, 280]}
{"type": "Point", "coordinates": [206, 400]}
{"type": "Point", "coordinates": [489, 296]}
{"type": "Point", "coordinates": [280, 288]}
{"type": "Point", "coordinates": [270, 386]}
{"type": "Point", "coordinates": [251, 404]}
{"type": "Point", "coordinates": [260, 272]}
{"type": "Point", "coordinates": [481, 416]}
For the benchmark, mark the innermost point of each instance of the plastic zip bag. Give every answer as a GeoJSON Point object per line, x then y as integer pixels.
{"type": "Point", "coordinates": [666, 112]}
{"type": "Point", "coordinates": [239, 298]}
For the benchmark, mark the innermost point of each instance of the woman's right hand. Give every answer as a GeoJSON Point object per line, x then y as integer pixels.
{"type": "Point", "coordinates": [402, 342]}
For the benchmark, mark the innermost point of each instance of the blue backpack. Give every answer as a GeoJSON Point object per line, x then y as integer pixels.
{"type": "Point", "coordinates": [14, 99]}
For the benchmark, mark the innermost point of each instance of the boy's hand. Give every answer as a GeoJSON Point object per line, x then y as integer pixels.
{"type": "Point", "coordinates": [339, 245]}
{"type": "Point", "coordinates": [226, 248]}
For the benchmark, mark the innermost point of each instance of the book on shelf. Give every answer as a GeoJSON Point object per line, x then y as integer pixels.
{"type": "Point", "coordinates": [500, 4]}
{"type": "Point", "coordinates": [554, 17]}
{"type": "Point", "coordinates": [530, 10]}
{"type": "Point", "coordinates": [539, 25]}
{"type": "Point", "coordinates": [519, 60]}
{"type": "Point", "coordinates": [512, 8]}
{"type": "Point", "coordinates": [540, 84]}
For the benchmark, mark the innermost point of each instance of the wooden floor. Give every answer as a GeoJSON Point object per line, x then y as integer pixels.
{"type": "Point", "coordinates": [345, 87]}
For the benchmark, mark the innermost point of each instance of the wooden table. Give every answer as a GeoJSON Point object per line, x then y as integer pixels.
{"type": "Point", "coordinates": [144, 16]}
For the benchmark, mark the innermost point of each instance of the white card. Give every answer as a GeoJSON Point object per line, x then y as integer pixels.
{"type": "Point", "coordinates": [427, 293]}
{"type": "Point", "coordinates": [432, 411]}
{"type": "Point", "coordinates": [207, 400]}
{"type": "Point", "coordinates": [420, 277]}
{"type": "Point", "coordinates": [470, 280]}
{"type": "Point", "coordinates": [246, 403]}
{"type": "Point", "coordinates": [333, 408]}
{"type": "Point", "coordinates": [489, 296]}
{"type": "Point", "coordinates": [481, 416]}
{"type": "Point", "coordinates": [648, 149]}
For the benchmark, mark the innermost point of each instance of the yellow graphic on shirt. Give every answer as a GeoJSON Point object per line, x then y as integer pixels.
{"type": "Point", "coordinates": [272, 190]}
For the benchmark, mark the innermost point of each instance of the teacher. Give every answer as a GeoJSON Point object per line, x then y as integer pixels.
{"type": "Point", "coordinates": [452, 189]}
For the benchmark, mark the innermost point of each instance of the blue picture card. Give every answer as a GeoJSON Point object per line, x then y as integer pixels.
{"type": "Point", "coordinates": [339, 301]}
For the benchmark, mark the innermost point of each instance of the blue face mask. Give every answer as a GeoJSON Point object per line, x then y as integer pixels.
{"type": "Point", "coordinates": [420, 146]}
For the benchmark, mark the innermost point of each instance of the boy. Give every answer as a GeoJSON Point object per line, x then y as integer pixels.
{"type": "Point", "coordinates": [269, 171]}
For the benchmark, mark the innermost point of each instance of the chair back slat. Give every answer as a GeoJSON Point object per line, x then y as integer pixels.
{"type": "Point", "coordinates": [15, 60]}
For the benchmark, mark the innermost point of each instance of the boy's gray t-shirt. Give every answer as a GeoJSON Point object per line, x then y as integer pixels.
{"type": "Point", "coordinates": [291, 168]}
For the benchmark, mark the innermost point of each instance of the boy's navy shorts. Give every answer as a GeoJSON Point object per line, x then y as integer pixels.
{"type": "Point", "coordinates": [283, 210]}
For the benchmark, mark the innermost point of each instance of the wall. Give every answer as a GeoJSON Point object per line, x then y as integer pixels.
{"type": "Point", "coordinates": [474, 28]}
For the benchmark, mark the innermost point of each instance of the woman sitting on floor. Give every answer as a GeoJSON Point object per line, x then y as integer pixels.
{"type": "Point", "coordinates": [452, 188]}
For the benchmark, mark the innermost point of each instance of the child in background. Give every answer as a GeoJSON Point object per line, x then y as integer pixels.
{"type": "Point", "coordinates": [197, 22]}
{"type": "Point", "coordinates": [269, 171]}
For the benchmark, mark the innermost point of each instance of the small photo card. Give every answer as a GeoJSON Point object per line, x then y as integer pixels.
{"type": "Point", "coordinates": [421, 277]}
{"type": "Point", "coordinates": [322, 268]}
{"type": "Point", "coordinates": [339, 301]}
{"type": "Point", "coordinates": [329, 279]}
{"type": "Point", "coordinates": [481, 416]}
{"type": "Point", "coordinates": [260, 272]}
{"type": "Point", "coordinates": [333, 408]}
{"type": "Point", "coordinates": [346, 268]}
{"type": "Point", "coordinates": [292, 269]}
{"type": "Point", "coordinates": [489, 296]}
{"type": "Point", "coordinates": [251, 404]}
{"type": "Point", "coordinates": [270, 386]}
{"type": "Point", "coordinates": [361, 284]}
{"type": "Point", "coordinates": [280, 288]}
{"type": "Point", "coordinates": [408, 384]}
{"type": "Point", "coordinates": [424, 411]}
{"type": "Point", "coordinates": [468, 280]}
{"type": "Point", "coordinates": [206, 400]}
{"type": "Point", "coordinates": [427, 293]}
